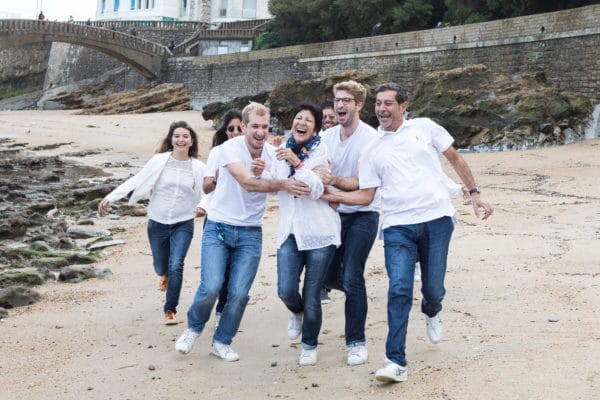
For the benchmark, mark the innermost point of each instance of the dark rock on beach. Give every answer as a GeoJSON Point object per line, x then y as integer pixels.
{"type": "Point", "coordinates": [18, 296]}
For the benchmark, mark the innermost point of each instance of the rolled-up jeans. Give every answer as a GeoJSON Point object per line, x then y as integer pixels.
{"type": "Point", "coordinates": [242, 246]}
{"type": "Point", "coordinates": [402, 243]}
{"type": "Point", "coordinates": [290, 264]}
{"type": "Point", "coordinates": [169, 244]}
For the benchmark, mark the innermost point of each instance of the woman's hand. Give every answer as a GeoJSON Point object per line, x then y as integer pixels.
{"type": "Point", "coordinates": [288, 155]}
{"type": "Point", "coordinates": [258, 166]}
{"type": "Point", "coordinates": [103, 206]}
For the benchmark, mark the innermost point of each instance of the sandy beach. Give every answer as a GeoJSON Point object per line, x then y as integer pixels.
{"type": "Point", "coordinates": [520, 314]}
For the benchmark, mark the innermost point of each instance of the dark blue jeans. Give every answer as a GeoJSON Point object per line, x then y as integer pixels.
{"type": "Point", "coordinates": [169, 245]}
{"type": "Point", "coordinates": [403, 243]}
{"type": "Point", "coordinates": [224, 244]}
{"type": "Point", "coordinates": [290, 263]}
{"type": "Point", "coordinates": [346, 271]}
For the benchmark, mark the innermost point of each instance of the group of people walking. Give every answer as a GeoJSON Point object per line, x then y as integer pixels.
{"type": "Point", "coordinates": [331, 184]}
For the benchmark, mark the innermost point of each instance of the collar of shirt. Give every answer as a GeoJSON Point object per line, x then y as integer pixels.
{"type": "Point", "coordinates": [383, 133]}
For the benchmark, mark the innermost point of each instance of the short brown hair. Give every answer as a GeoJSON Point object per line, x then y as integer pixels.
{"type": "Point", "coordinates": [356, 89]}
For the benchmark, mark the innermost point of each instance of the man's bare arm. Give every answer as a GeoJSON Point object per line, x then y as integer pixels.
{"type": "Point", "coordinates": [360, 197]}
{"type": "Point", "coordinates": [252, 184]}
{"type": "Point", "coordinates": [464, 172]}
{"type": "Point", "coordinates": [345, 183]}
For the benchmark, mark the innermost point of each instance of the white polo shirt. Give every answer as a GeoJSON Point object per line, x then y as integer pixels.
{"type": "Point", "coordinates": [231, 203]}
{"type": "Point", "coordinates": [405, 166]}
{"type": "Point", "coordinates": [345, 155]}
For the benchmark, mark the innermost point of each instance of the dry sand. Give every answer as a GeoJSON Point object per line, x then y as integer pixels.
{"type": "Point", "coordinates": [537, 260]}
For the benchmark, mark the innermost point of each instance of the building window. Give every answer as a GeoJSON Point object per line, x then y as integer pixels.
{"type": "Point", "coordinates": [249, 9]}
{"type": "Point", "coordinates": [132, 5]}
{"type": "Point", "coordinates": [223, 8]}
{"type": "Point", "coordinates": [147, 4]}
{"type": "Point", "coordinates": [183, 10]}
{"type": "Point", "coordinates": [116, 6]}
{"type": "Point", "coordinates": [103, 7]}
{"type": "Point", "coordinates": [139, 4]}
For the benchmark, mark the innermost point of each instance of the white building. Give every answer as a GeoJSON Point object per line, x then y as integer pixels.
{"type": "Point", "coordinates": [210, 11]}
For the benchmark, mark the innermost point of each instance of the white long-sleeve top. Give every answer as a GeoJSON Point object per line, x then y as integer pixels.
{"type": "Point", "coordinates": [312, 221]}
{"type": "Point", "coordinates": [212, 164]}
{"type": "Point", "coordinates": [173, 187]}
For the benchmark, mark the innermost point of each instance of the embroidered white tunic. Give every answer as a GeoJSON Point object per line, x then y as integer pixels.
{"type": "Point", "coordinates": [312, 221]}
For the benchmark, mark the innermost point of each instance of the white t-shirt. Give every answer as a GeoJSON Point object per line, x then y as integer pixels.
{"type": "Point", "coordinates": [231, 203]}
{"type": "Point", "coordinates": [212, 163]}
{"type": "Point", "coordinates": [405, 165]}
{"type": "Point", "coordinates": [345, 156]}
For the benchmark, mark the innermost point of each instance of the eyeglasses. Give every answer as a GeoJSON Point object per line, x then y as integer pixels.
{"type": "Point", "coordinates": [328, 116]}
{"type": "Point", "coordinates": [344, 100]}
{"type": "Point", "coordinates": [232, 128]}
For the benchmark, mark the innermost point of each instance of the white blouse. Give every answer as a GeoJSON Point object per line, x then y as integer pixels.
{"type": "Point", "coordinates": [173, 199]}
{"type": "Point", "coordinates": [312, 221]}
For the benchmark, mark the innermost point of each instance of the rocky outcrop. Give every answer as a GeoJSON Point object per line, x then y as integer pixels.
{"type": "Point", "coordinates": [485, 110]}
{"type": "Point", "coordinates": [103, 99]}
{"type": "Point", "coordinates": [46, 210]}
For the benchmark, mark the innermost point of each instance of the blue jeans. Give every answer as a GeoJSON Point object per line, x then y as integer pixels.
{"type": "Point", "coordinates": [169, 244]}
{"type": "Point", "coordinates": [223, 294]}
{"type": "Point", "coordinates": [222, 243]}
{"type": "Point", "coordinates": [346, 271]}
{"type": "Point", "coordinates": [290, 263]}
{"type": "Point", "coordinates": [402, 244]}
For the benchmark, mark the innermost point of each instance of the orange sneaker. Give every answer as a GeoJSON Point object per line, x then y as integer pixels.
{"type": "Point", "coordinates": [162, 283]}
{"type": "Point", "coordinates": [170, 318]}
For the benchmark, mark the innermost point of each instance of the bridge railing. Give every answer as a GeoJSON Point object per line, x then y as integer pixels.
{"type": "Point", "coordinates": [152, 24]}
{"type": "Point", "coordinates": [18, 26]}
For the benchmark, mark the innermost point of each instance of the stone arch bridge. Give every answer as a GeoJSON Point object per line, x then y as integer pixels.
{"type": "Point", "coordinates": [141, 54]}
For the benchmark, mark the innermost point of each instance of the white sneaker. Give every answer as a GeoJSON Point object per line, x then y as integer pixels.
{"type": "Point", "coordinates": [295, 326]}
{"type": "Point", "coordinates": [224, 351]}
{"type": "Point", "coordinates": [357, 354]}
{"type": "Point", "coordinates": [417, 272]}
{"type": "Point", "coordinates": [308, 357]}
{"type": "Point", "coordinates": [434, 328]}
{"type": "Point", "coordinates": [325, 297]}
{"type": "Point", "coordinates": [392, 372]}
{"type": "Point", "coordinates": [186, 341]}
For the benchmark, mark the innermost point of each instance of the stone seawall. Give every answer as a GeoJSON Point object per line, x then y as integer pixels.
{"type": "Point", "coordinates": [23, 69]}
{"type": "Point", "coordinates": [566, 50]}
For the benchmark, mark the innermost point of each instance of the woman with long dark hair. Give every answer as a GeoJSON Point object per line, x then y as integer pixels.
{"type": "Point", "coordinates": [172, 179]}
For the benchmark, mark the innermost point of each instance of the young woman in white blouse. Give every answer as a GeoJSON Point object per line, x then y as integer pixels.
{"type": "Point", "coordinates": [309, 230]}
{"type": "Point", "coordinates": [172, 179]}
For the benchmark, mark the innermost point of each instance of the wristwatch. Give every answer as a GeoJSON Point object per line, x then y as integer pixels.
{"type": "Point", "coordinates": [474, 190]}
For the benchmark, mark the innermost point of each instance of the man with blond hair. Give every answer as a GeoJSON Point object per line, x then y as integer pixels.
{"type": "Point", "coordinates": [346, 142]}
{"type": "Point", "coordinates": [233, 231]}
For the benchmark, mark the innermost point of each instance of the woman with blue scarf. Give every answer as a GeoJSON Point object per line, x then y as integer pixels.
{"type": "Point", "coordinates": [309, 230]}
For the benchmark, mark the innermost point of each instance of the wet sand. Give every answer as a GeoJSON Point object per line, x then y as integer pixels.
{"type": "Point", "coordinates": [519, 315]}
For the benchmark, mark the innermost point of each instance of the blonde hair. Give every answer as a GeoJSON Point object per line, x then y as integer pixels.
{"type": "Point", "coordinates": [256, 108]}
{"type": "Point", "coordinates": [356, 89]}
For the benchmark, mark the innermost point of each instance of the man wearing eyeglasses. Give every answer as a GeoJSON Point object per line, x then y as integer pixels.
{"type": "Point", "coordinates": [346, 142]}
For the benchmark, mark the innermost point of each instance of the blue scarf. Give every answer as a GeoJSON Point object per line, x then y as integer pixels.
{"type": "Point", "coordinates": [301, 150]}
